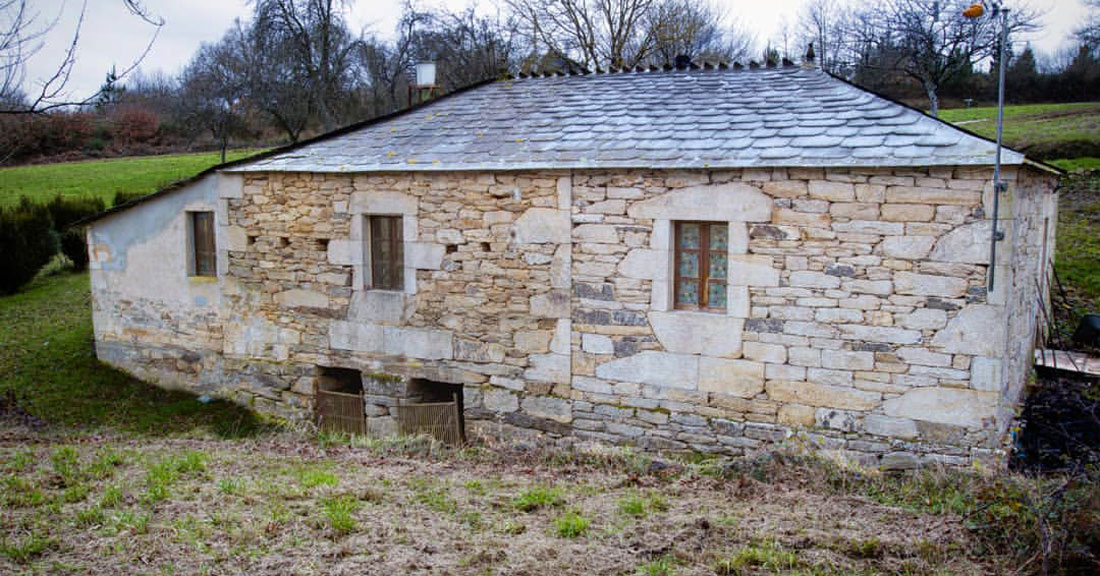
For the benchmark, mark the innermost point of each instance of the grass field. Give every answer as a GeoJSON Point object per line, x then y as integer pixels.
{"type": "Point", "coordinates": [1077, 259]}
{"type": "Point", "coordinates": [46, 357]}
{"type": "Point", "coordinates": [1077, 164]}
{"type": "Point", "coordinates": [1047, 131]}
{"type": "Point", "coordinates": [102, 178]}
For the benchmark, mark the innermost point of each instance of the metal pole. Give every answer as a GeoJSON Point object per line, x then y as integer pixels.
{"type": "Point", "coordinates": [996, 235]}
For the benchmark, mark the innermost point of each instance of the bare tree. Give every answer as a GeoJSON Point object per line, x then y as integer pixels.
{"type": "Point", "coordinates": [275, 84]}
{"type": "Point", "coordinates": [824, 22]}
{"type": "Point", "coordinates": [596, 33]}
{"type": "Point", "coordinates": [313, 37]}
{"type": "Point", "coordinates": [468, 47]}
{"type": "Point", "coordinates": [1089, 33]}
{"type": "Point", "coordinates": [932, 42]}
{"type": "Point", "coordinates": [697, 30]}
{"type": "Point", "coordinates": [215, 85]}
{"type": "Point", "coordinates": [627, 33]}
{"type": "Point", "coordinates": [22, 35]}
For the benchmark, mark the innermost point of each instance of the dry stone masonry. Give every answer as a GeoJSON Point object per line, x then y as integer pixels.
{"type": "Point", "coordinates": [857, 320]}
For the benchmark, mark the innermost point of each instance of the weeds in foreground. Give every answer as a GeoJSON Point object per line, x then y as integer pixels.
{"type": "Point", "coordinates": [538, 497]}
{"type": "Point", "coordinates": [637, 505]}
{"type": "Point", "coordinates": [112, 497]}
{"type": "Point", "coordinates": [92, 516]}
{"type": "Point", "coordinates": [161, 475]}
{"type": "Point", "coordinates": [867, 548]}
{"type": "Point", "coordinates": [511, 527]}
{"type": "Point", "coordinates": [27, 548]}
{"type": "Point", "coordinates": [313, 477]}
{"type": "Point", "coordinates": [230, 486]}
{"type": "Point", "coordinates": [663, 566]}
{"type": "Point", "coordinates": [21, 493]}
{"type": "Point", "coordinates": [571, 525]}
{"type": "Point", "coordinates": [1049, 521]}
{"type": "Point", "coordinates": [437, 499]}
{"type": "Point", "coordinates": [338, 511]}
{"type": "Point", "coordinates": [766, 555]}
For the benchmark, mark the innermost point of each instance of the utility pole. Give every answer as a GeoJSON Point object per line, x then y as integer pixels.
{"type": "Point", "coordinates": [976, 11]}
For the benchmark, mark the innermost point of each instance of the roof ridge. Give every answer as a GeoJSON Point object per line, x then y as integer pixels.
{"type": "Point", "coordinates": [706, 66]}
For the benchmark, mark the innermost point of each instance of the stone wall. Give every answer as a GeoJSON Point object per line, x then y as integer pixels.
{"type": "Point", "coordinates": [863, 302]}
{"type": "Point", "coordinates": [150, 318]}
{"type": "Point", "coordinates": [857, 305]}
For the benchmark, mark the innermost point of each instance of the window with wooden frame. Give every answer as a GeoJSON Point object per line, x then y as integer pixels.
{"type": "Point", "coordinates": [387, 253]}
{"type": "Point", "coordinates": [204, 256]}
{"type": "Point", "coordinates": [701, 265]}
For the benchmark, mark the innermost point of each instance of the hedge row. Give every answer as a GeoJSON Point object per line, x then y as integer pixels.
{"type": "Point", "coordinates": [32, 233]}
{"type": "Point", "coordinates": [27, 242]}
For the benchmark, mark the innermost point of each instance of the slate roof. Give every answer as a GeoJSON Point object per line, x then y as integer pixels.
{"type": "Point", "coordinates": [710, 118]}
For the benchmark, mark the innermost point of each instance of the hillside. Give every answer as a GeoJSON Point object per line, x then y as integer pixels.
{"type": "Point", "coordinates": [102, 178]}
{"type": "Point", "coordinates": [1043, 131]}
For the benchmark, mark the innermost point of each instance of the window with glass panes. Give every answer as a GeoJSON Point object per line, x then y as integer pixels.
{"type": "Point", "coordinates": [387, 253]}
{"type": "Point", "coordinates": [702, 264]}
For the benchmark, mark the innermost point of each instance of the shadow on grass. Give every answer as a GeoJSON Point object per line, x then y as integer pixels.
{"type": "Point", "coordinates": [47, 359]}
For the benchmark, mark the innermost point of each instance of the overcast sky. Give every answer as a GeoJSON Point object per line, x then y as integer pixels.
{"type": "Point", "coordinates": [112, 36]}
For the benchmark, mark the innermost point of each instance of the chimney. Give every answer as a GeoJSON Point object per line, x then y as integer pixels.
{"type": "Point", "coordinates": [808, 60]}
{"type": "Point", "coordinates": [425, 74]}
{"type": "Point", "coordinates": [423, 86]}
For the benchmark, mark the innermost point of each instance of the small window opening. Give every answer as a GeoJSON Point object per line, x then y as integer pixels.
{"type": "Point", "coordinates": [452, 248]}
{"type": "Point", "coordinates": [322, 244]}
{"type": "Point", "coordinates": [282, 242]}
{"type": "Point", "coordinates": [387, 252]}
{"type": "Point", "coordinates": [203, 250]}
{"type": "Point", "coordinates": [251, 240]}
{"type": "Point", "coordinates": [485, 247]}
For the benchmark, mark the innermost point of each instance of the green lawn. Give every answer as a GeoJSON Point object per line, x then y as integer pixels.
{"type": "Point", "coordinates": [1074, 164]}
{"type": "Point", "coordinates": [46, 356]}
{"type": "Point", "coordinates": [1078, 256]}
{"type": "Point", "coordinates": [102, 178]}
{"type": "Point", "coordinates": [1044, 131]}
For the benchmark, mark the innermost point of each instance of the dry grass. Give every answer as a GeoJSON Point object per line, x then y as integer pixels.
{"type": "Point", "coordinates": [287, 505]}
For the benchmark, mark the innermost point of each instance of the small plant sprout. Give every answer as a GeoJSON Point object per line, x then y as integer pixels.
{"type": "Point", "coordinates": [571, 525]}
{"type": "Point", "coordinates": [538, 497]}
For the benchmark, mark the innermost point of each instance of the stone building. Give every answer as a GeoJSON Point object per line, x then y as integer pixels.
{"type": "Point", "coordinates": [691, 259]}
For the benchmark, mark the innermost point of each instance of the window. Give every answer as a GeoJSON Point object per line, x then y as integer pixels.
{"type": "Point", "coordinates": [387, 253]}
{"type": "Point", "coordinates": [204, 259]}
{"type": "Point", "coordinates": [701, 264]}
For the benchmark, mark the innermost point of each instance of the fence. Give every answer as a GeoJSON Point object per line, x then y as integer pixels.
{"type": "Point", "coordinates": [341, 412]}
{"type": "Point", "coordinates": [441, 420]}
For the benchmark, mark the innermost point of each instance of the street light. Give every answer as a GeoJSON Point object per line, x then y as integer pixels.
{"type": "Point", "coordinates": [977, 11]}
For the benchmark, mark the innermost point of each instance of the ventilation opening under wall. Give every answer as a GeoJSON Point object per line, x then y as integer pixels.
{"type": "Point", "coordinates": [438, 411]}
{"type": "Point", "coordinates": [338, 401]}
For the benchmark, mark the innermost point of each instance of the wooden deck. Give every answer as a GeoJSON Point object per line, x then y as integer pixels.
{"type": "Point", "coordinates": [1070, 361]}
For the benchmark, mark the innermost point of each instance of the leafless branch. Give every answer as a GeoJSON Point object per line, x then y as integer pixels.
{"type": "Point", "coordinates": [19, 40]}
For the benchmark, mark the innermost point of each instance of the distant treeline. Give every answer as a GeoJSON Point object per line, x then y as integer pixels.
{"type": "Point", "coordinates": [296, 69]}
